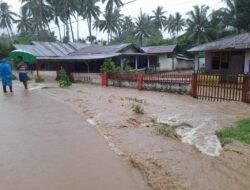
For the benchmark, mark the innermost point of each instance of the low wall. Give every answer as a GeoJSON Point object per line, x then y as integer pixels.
{"type": "Point", "coordinates": [180, 88]}
{"type": "Point", "coordinates": [122, 83]}
{"type": "Point", "coordinates": [92, 78]}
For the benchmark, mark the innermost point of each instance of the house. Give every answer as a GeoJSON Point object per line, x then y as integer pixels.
{"type": "Point", "coordinates": [167, 59]}
{"type": "Point", "coordinates": [77, 57]}
{"type": "Point", "coordinates": [230, 54]}
{"type": "Point", "coordinates": [164, 56]}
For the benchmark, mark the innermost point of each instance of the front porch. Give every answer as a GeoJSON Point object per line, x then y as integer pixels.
{"type": "Point", "coordinates": [236, 61]}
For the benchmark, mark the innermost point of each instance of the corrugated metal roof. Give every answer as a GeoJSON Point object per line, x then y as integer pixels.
{"type": "Point", "coordinates": [81, 57]}
{"type": "Point", "coordinates": [104, 49]}
{"type": "Point", "coordinates": [159, 49]}
{"type": "Point", "coordinates": [240, 41]}
{"type": "Point", "coordinates": [50, 49]}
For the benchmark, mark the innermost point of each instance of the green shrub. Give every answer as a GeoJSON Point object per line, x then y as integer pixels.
{"type": "Point", "coordinates": [138, 109]}
{"type": "Point", "coordinates": [64, 80]}
{"type": "Point", "coordinates": [109, 66]}
{"type": "Point", "coordinates": [39, 79]}
{"type": "Point", "coordinates": [166, 130]}
{"type": "Point", "coordinates": [14, 77]}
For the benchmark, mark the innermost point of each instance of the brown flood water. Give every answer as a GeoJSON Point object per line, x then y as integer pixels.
{"type": "Point", "coordinates": [196, 163]}
{"type": "Point", "coordinates": [47, 145]}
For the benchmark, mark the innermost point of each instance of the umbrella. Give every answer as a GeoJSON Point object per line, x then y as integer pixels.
{"type": "Point", "coordinates": [27, 56]}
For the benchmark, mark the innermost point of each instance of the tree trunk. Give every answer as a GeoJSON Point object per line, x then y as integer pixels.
{"type": "Point", "coordinates": [72, 32]}
{"type": "Point", "coordinates": [77, 19]}
{"type": "Point", "coordinates": [90, 31]}
{"type": "Point", "coordinates": [59, 30]}
{"type": "Point", "coordinates": [9, 33]}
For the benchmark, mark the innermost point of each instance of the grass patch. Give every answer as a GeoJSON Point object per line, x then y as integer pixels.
{"type": "Point", "coordinates": [39, 80]}
{"type": "Point", "coordinates": [138, 109]}
{"type": "Point", "coordinates": [166, 130]}
{"type": "Point", "coordinates": [241, 132]}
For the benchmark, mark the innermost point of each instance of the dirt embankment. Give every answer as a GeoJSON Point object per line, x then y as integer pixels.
{"type": "Point", "coordinates": [167, 163]}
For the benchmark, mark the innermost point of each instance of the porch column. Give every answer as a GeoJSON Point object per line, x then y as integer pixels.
{"type": "Point", "coordinates": [148, 62]}
{"type": "Point", "coordinates": [246, 62]}
{"type": "Point", "coordinates": [122, 63]}
{"type": "Point", "coordinates": [173, 65]}
{"type": "Point", "coordinates": [136, 63]}
{"type": "Point", "coordinates": [196, 62]}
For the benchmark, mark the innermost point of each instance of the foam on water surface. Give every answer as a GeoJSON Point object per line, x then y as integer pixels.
{"type": "Point", "coordinates": [202, 136]}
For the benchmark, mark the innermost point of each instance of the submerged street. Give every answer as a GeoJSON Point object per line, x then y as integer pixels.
{"type": "Point", "coordinates": [45, 144]}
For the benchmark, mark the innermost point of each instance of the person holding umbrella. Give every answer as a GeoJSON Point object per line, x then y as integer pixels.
{"type": "Point", "coordinates": [6, 75]}
{"type": "Point", "coordinates": [22, 57]}
{"type": "Point", "coordinates": [23, 77]}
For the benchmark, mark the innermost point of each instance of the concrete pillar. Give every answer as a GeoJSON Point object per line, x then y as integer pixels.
{"type": "Point", "coordinates": [196, 62]}
{"type": "Point", "coordinates": [148, 62]}
{"type": "Point", "coordinates": [247, 62]}
{"type": "Point", "coordinates": [136, 62]}
{"type": "Point", "coordinates": [122, 62]}
{"type": "Point", "coordinates": [173, 64]}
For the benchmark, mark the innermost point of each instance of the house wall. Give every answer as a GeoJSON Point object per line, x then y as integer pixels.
{"type": "Point", "coordinates": [166, 63]}
{"type": "Point", "coordinates": [247, 61]}
{"type": "Point", "coordinates": [208, 61]}
{"type": "Point", "coordinates": [130, 50]}
{"type": "Point", "coordinates": [184, 64]}
{"type": "Point", "coordinates": [235, 62]}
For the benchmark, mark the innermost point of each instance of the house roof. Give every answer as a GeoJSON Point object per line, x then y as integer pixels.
{"type": "Point", "coordinates": [105, 49]}
{"type": "Point", "coordinates": [240, 41]}
{"type": "Point", "coordinates": [159, 49]}
{"type": "Point", "coordinates": [50, 49]}
{"type": "Point", "coordinates": [80, 57]}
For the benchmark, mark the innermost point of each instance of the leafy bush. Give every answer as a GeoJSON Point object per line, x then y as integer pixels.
{"type": "Point", "coordinates": [166, 130]}
{"type": "Point", "coordinates": [109, 66]}
{"type": "Point", "coordinates": [14, 77]}
{"type": "Point", "coordinates": [39, 79]}
{"type": "Point", "coordinates": [138, 109]}
{"type": "Point", "coordinates": [127, 66]}
{"type": "Point", "coordinates": [64, 80]}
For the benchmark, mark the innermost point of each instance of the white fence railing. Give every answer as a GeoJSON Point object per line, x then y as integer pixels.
{"type": "Point", "coordinates": [93, 78]}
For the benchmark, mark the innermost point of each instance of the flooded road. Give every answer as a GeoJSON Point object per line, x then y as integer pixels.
{"type": "Point", "coordinates": [45, 145]}
{"type": "Point", "coordinates": [167, 163]}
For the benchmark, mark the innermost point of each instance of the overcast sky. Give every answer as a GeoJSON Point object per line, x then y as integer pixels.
{"type": "Point", "coordinates": [133, 9]}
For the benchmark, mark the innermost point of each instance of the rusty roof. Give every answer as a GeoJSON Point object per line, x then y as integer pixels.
{"type": "Point", "coordinates": [239, 41]}
{"type": "Point", "coordinates": [159, 49]}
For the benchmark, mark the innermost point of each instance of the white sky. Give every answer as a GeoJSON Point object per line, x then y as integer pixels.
{"type": "Point", "coordinates": [133, 9]}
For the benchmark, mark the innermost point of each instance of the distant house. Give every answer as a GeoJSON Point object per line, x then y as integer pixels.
{"type": "Point", "coordinates": [230, 54]}
{"type": "Point", "coordinates": [77, 57]}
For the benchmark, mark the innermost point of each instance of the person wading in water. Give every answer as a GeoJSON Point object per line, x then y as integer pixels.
{"type": "Point", "coordinates": [21, 66]}
{"type": "Point", "coordinates": [6, 75]}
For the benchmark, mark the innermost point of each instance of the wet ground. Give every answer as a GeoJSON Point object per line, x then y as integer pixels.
{"type": "Point", "coordinates": [195, 161]}
{"type": "Point", "coordinates": [45, 144]}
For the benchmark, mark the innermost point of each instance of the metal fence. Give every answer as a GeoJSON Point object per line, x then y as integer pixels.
{"type": "Point", "coordinates": [221, 87]}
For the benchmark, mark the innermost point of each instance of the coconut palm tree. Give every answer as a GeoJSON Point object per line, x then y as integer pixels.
{"type": "Point", "coordinates": [198, 26]}
{"type": "Point", "coordinates": [111, 23]}
{"type": "Point", "coordinates": [111, 4]}
{"type": "Point", "coordinates": [7, 17]}
{"type": "Point", "coordinates": [128, 25]}
{"type": "Point", "coordinates": [40, 12]}
{"type": "Point", "coordinates": [175, 24]}
{"type": "Point", "coordinates": [159, 17]}
{"type": "Point", "coordinates": [90, 11]}
{"type": "Point", "coordinates": [143, 27]}
{"type": "Point", "coordinates": [24, 23]}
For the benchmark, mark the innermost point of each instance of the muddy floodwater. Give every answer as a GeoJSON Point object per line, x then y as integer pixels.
{"type": "Point", "coordinates": [46, 144]}
{"type": "Point", "coordinates": [194, 161]}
